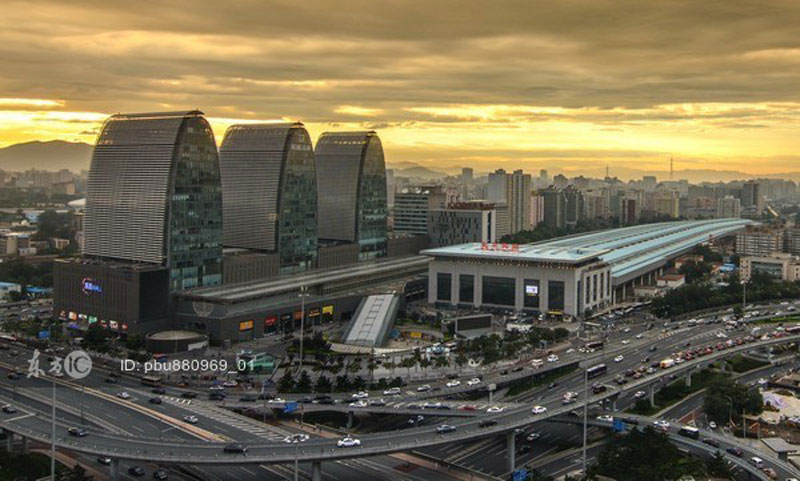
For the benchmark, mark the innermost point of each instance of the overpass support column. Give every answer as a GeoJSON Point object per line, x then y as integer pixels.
{"type": "Point", "coordinates": [614, 403]}
{"type": "Point", "coordinates": [349, 419]}
{"type": "Point", "coordinates": [689, 380]}
{"type": "Point", "coordinates": [114, 469]}
{"type": "Point", "coordinates": [652, 395]}
{"type": "Point", "coordinates": [24, 443]}
{"type": "Point", "coordinates": [9, 440]}
{"type": "Point", "coordinates": [316, 471]}
{"type": "Point", "coordinates": [511, 451]}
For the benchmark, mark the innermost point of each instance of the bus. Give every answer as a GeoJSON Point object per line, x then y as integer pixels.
{"type": "Point", "coordinates": [594, 345]}
{"type": "Point", "coordinates": [597, 370]}
{"type": "Point", "coordinates": [793, 329]}
{"type": "Point", "coordinates": [152, 381]}
{"type": "Point", "coordinates": [258, 363]}
{"type": "Point", "coordinates": [689, 432]}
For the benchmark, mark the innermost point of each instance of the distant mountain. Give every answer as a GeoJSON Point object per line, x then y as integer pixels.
{"type": "Point", "coordinates": [419, 172]}
{"type": "Point", "coordinates": [52, 155]}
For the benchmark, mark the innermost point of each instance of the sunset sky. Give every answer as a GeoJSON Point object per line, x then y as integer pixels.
{"type": "Point", "coordinates": [571, 86]}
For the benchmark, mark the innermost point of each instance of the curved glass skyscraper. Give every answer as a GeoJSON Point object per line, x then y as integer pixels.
{"type": "Point", "coordinates": [154, 196]}
{"type": "Point", "coordinates": [270, 192]}
{"type": "Point", "coordinates": [351, 184]}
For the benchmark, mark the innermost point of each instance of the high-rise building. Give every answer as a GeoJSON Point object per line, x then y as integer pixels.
{"type": "Point", "coordinates": [537, 209]}
{"type": "Point", "coordinates": [574, 208]}
{"type": "Point", "coordinates": [269, 192]}
{"type": "Point", "coordinates": [649, 183]}
{"type": "Point", "coordinates": [554, 207]}
{"type": "Point", "coordinates": [667, 204]}
{"type": "Point", "coordinates": [791, 240]}
{"type": "Point", "coordinates": [467, 175]}
{"type": "Point", "coordinates": [514, 190]}
{"type": "Point", "coordinates": [544, 176]}
{"type": "Point", "coordinates": [728, 206]}
{"type": "Point", "coordinates": [497, 188]}
{"type": "Point", "coordinates": [411, 206]}
{"type": "Point", "coordinates": [759, 241]}
{"type": "Point", "coordinates": [154, 196]}
{"type": "Point", "coordinates": [351, 189]}
{"type": "Point", "coordinates": [752, 198]}
{"type": "Point", "coordinates": [462, 223]}
{"type": "Point", "coordinates": [629, 210]}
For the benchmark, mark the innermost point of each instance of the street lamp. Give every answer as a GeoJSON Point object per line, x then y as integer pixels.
{"type": "Point", "coordinates": [296, 439]}
{"type": "Point", "coordinates": [585, 414]}
{"type": "Point", "coordinates": [303, 294]}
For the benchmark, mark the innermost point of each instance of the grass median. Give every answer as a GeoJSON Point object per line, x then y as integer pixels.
{"type": "Point", "coordinates": [676, 391]}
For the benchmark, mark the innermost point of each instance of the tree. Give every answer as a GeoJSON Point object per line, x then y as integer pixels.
{"type": "Point", "coordinates": [717, 466]}
{"type": "Point", "coordinates": [442, 362]}
{"type": "Point", "coordinates": [408, 363]}
{"type": "Point", "coordinates": [323, 384]}
{"type": "Point", "coordinates": [725, 398]}
{"type": "Point", "coordinates": [304, 384]}
{"type": "Point", "coordinates": [342, 384]}
{"type": "Point", "coordinates": [354, 366]}
{"type": "Point", "coordinates": [286, 382]}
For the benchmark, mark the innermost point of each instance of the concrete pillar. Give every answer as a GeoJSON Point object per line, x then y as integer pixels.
{"type": "Point", "coordinates": [689, 380]}
{"type": "Point", "coordinates": [114, 469]}
{"type": "Point", "coordinates": [614, 403]}
{"type": "Point", "coordinates": [511, 450]}
{"type": "Point", "coordinates": [24, 444]}
{"type": "Point", "coordinates": [652, 395]}
{"type": "Point", "coordinates": [316, 471]}
{"type": "Point", "coordinates": [9, 440]}
{"type": "Point", "coordinates": [349, 419]}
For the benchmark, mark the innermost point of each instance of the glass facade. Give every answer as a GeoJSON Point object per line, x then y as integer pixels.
{"type": "Point", "coordinates": [372, 203]}
{"type": "Point", "coordinates": [531, 293]}
{"type": "Point", "coordinates": [466, 288]}
{"type": "Point", "coordinates": [297, 234]}
{"type": "Point", "coordinates": [444, 283]}
{"type": "Point", "coordinates": [555, 295]}
{"type": "Point", "coordinates": [195, 234]}
{"type": "Point", "coordinates": [498, 290]}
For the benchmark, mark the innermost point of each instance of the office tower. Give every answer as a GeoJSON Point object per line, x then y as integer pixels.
{"type": "Point", "coordinates": [759, 241]}
{"type": "Point", "coordinates": [752, 197]}
{"type": "Point", "coordinates": [574, 209]}
{"type": "Point", "coordinates": [411, 207]}
{"type": "Point", "coordinates": [629, 210]}
{"type": "Point", "coordinates": [461, 223]}
{"type": "Point", "coordinates": [537, 209]}
{"type": "Point", "coordinates": [351, 189]}
{"type": "Point", "coordinates": [514, 190]}
{"type": "Point", "coordinates": [467, 175]}
{"type": "Point", "coordinates": [543, 176]}
{"type": "Point", "coordinates": [497, 189]}
{"type": "Point", "coordinates": [154, 196]}
{"type": "Point", "coordinates": [667, 204]}
{"type": "Point", "coordinates": [560, 181]}
{"type": "Point", "coordinates": [554, 207]}
{"type": "Point", "coordinates": [269, 192]}
{"type": "Point", "coordinates": [728, 206]}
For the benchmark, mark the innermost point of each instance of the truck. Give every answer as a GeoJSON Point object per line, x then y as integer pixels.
{"type": "Point", "coordinates": [667, 363]}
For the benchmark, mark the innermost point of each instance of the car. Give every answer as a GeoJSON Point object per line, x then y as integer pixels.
{"type": "Point", "coordinates": [12, 376]}
{"type": "Point", "coordinates": [416, 419]}
{"type": "Point", "coordinates": [485, 423]}
{"type": "Point", "coordinates": [552, 358]}
{"type": "Point", "coordinates": [377, 403]}
{"type": "Point", "coordinates": [104, 460]}
{"type": "Point", "coordinates": [735, 451]}
{"type": "Point", "coordinates": [631, 421]}
{"type": "Point", "coordinates": [111, 379]}
{"type": "Point", "coordinates": [605, 418]}
{"type": "Point", "coordinates": [216, 396]}
{"type": "Point", "coordinates": [158, 390]}
{"type": "Point", "coordinates": [453, 383]}
{"type": "Point", "coordinates": [552, 385]}
{"type": "Point", "coordinates": [230, 383]}
{"type": "Point", "coordinates": [393, 391]}
{"type": "Point", "coordinates": [625, 342]}
{"type": "Point", "coordinates": [191, 419]}
{"type": "Point", "coordinates": [517, 369]}
{"type": "Point", "coordinates": [473, 382]}
{"type": "Point", "coordinates": [424, 388]}
{"type": "Point", "coordinates": [495, 409]}
{"type": "Point", "coordinates": [348, 442]}
{"type": "Point", "coordinates": [639, 394]}
{"type": "Point", "coordinates": [711, 442]}
{"type": "Point", "coordinates": [136, 471]}
{"type": "Point", "coordinates": [361, 403]}
{"type": "Point", "coordinates": [771, 474]}
{"type": "Point", "coordinates": [234, 448]}
{"type": "Point", "coordinates": [160, 475]}
{"type": "Point", "coordinates": [653, 348]}
{"type": "Point", "coordinates": [248, 399]}
{"type": "Point", "coordinates": [712, 425]}
{"type": "Point", "coordinates": [524, 448]}
{"type": "Point", "coordinates": [217, 387]}
{"type": "Point", "coordinates": [570, 350]}
{"type": "Point", "coordinates": [539, 410]}
{"type": "Point", "coordinates": [123, 395]}
{"type": "Point", "coordinates": [9, 409]}
{"type": "Point", "coordinates": [626, 330]}
{"type": "Point", "coordinates": [619, 358]}
{"type": "Point", "coordinates": [661, 424]}
{"type": "Point", "coordinates": [445, 428]}
{"type": "Point", "coordinates": [277, 400]}
{"type": "Point", "coordinates": [639, 336]}
{"type": "Point", "coordinates": [155, 400]}
{"type": "Point", "coordinates": [533, 437]}
{"type": "Point", "coordinates": [77, 432]}
{"type": "Point", "coordinates": [431, 405]}
{"type": "Point", "coordinates": [298, 438]}
{"type": "Point", "coordinates": [189, 395]}
{"type": "Point", "coordinates": [360, 395]}
{"type": "Point", "coordinates": [467, 407]}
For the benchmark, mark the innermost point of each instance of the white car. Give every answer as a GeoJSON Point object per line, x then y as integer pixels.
{"type": "Point", "coordinates": [605, 418]}
{"type": "Point", "coordinates": [712, 425]}
{"type": "Point", "coordinates": [627, 330]}
{"type": "Point", "coordinates": [361, 395]}
{"type": "Point", "coordinates": [474, 381]}
{"type": "Point", "coordinates": [537, 363]}
{"type": "Point", "coordinates": [639, 336]}
{"type": "Point", "coordinates": [619, 358]}
{"type": "Point", "coordinates": [539, 410]}
{"type": "Point", "coordinates": [533, 437]}
{"type": "Point", "coordinates": [394, 391]}
{"type": "Point", "coordinates": [625, 342]}
{"type": "Point", "coordinates": [348, 442]}
{"type": "Point", "coordinates": [762, 382]}
{"type": "Point", "coordinates": [661, 424]}
{"type": "Point", "coordinates": [454, 383]}
{"type": "Point", "coordinates": [570, 350]}
{"type": "Point", "coordinates": [190, 419]}
{"type": "Point", "coordinates": [230, 383]}
{"type": "Point", "coordinates": [495, 409]}
{"type": "Point", "coordinates": [424, 388]}
{"type": "Point", "coordinates": [297, 438]}
{"type": "Point", "coordinates": [639, 394]}
{"type": "Point", "coordinates": [217, 387]}
{"type": "Point", "coordinates": [552, 358]}
{"type": "Point", "coordinates": [277, 400]}
{"type": "Point", "coordinates": [123, 395]}
{"type": "Point", "coordinates": [359, 404]}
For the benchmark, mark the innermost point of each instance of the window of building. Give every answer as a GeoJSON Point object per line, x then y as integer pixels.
{"type": "Point", "coordinates": [466, 288]}
{"type": "Point", "coordinates": [594, 288]}
{"type": "Point", "coordinates": [555, 295]}
{"type": "Point", "coordinates": [443, 284]}
{"type": "Point", "coordinates": [498, 290]}
{"type": "Point", "coordinates": [531, 293]}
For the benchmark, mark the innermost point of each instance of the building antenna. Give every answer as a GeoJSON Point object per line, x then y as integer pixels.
{"type": "Point", "coordinates": [606, 171]}
{"type": "Point", "coordinates": [670, 169]}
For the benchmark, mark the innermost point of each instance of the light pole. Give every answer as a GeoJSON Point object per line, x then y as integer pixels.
{"type": "Point", "coordinates": [303, 294]}
{"type": "Point", "coordinates": [296, 439]}
{"type": "Point", "coordinates": [53, 433]}
{"type": "Point", "coordinates": [585, 414]}
{"type": "Point", "coordinates": [744, 294]}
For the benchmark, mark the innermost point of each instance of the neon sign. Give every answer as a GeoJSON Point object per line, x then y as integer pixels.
{"type": "Point", "coordinates": [90, 286]}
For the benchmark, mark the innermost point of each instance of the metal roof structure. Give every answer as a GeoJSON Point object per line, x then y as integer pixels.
{"type": "Point", "coordinates": [374, 317]}
{"type": "Point", "coordinates": [631, 251]}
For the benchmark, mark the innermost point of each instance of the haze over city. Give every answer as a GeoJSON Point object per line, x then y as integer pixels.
{"type": "Point", "coordinates": [566, 86]}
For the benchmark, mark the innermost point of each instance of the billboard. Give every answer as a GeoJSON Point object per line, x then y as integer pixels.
{"type": "Point", "coordinates": [327, 309]}
{"type": "Point", "coordinates": [270, 320]}
{"type": "Point", "coordinates": [531, 290]}
{"type": "Point", "coordinates": [245, 325]}
{"type": "Point", "coordinates": [479, 321]}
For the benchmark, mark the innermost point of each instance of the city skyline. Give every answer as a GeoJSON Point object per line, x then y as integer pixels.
{"type": "Point", "coordinates": [515, 87]}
